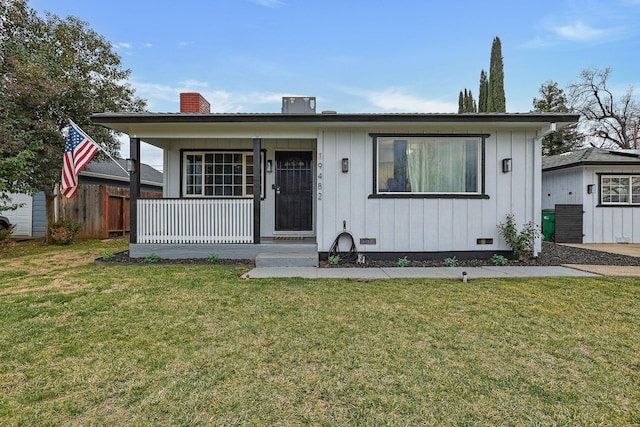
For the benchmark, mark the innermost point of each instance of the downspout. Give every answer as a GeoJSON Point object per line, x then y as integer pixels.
{"type": "Point", "coordinates": [537, 183]}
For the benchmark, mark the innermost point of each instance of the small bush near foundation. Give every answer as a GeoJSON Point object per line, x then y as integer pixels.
{"type": "Point", "coordinates": [63, 232]}
{"type": "Point", "coordinates": [451, 262]}
{"type": "Point", "coordinates": [403, 262]}
{"type": "Point", "coordinates": [521, 242]}
{"type": "Point", "coordinates": [152, 258]}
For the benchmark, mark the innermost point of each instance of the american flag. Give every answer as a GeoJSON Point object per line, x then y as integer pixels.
{"type": "Point", "coordinates": [78, 151]}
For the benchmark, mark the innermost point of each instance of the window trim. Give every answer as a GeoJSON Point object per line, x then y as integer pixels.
{"type": "Point", "coordinates": [244, 151]}
{"type": "Point", "coordinates": [481, 194]}
{"type": "Point", "coordinates": [602, 204]}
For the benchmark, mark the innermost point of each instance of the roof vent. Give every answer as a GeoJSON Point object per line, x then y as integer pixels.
{"type": "Point", "coordinates": [329, 112]}
{"type": "Point", "coordinates": [298, 105]}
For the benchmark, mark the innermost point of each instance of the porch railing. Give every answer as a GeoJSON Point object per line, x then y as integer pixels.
{"type": "Point", "coordinates": [195, 221]}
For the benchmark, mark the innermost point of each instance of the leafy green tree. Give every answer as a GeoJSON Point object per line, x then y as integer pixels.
{"type": "Point", "coordinates": [52, 70]}
{"type": "Point", "coordinates": [553, 100]}
{"type": "Point", "coordinates": [483, 93]}
{"type": "Point", "coordinates": [496, 101]}
{"type": "Point", "coordinates": [608, 120]}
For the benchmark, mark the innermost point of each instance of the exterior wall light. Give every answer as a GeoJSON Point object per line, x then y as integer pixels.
{"type": "Point", "coordinates": [131, 165]}
{"type": "Point", "coordinates": [269, 166]}
{"type": "Point", "coordinates": [590, 188]}
{"type": "Point", "coordinates": [345, 165]}
{"type": "Point", "coordinates": [506, 165]}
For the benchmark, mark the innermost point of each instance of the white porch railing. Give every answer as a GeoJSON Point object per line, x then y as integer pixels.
{"type": "Point", "coordinates": [195, 221]}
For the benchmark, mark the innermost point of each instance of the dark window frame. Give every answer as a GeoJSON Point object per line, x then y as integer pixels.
{"type": "Point", "coordinates": [600, 204]}
{"type": "Point", "coordinates": [204, 151]}
{"type": "Point", "coordinates": [481, 194]}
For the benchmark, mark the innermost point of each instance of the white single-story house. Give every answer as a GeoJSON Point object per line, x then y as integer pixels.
{"type": "Point", "coordinates": [595, 194]}
{"type": "Point", "coordinates": [415, 185]}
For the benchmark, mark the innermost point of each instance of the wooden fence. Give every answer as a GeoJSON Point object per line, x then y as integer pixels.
{"type": "Point", "coordinates": [103, 211]}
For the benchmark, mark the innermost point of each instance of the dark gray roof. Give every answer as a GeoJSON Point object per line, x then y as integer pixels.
{"type": "Point", "coordinates": [590, 156]}
{"type": "Point", "coordinates": [109, 170]}
{"type": "Point", "coordinates": [109, 118]}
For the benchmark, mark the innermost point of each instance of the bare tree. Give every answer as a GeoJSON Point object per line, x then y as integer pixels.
{"type": "Point", "coordinates": [607, 120]}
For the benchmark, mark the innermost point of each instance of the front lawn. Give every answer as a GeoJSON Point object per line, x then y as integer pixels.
{"type": "Point", "coordinates": [194, 345]}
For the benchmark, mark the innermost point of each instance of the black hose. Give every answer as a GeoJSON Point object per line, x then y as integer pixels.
{"type": "Point", "coordinates": [351, 255]}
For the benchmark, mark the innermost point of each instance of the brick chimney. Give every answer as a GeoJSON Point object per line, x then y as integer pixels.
{"type": "Point", "coordinates": [193, 102]}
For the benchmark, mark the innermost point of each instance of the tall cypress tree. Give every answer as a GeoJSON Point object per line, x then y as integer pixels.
{"type": "Point", "coordinates": [484, 92]}
{"type": "Point", "coordinates": [496, 101]}
{"type": "Point", "coordinates": [460, 103]}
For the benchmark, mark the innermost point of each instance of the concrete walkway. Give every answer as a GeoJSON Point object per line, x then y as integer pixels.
{"type": "Point", "coordinates": [415, 272]}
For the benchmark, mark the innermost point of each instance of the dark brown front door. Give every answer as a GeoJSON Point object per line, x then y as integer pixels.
{"type": "Point", "coordinates": [294, 190]}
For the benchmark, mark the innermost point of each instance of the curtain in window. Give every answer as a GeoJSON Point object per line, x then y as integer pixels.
{"type": "Point", "coordinates": [441, 167]}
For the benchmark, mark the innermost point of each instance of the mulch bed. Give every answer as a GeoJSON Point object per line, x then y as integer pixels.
{"type": "Point", "coordinates": [552, 255]}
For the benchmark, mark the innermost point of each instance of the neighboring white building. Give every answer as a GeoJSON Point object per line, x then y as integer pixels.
{"type": "Point", "coordinates": [595, 194]}
{"type": "Point", "coordinates": [421, 185]}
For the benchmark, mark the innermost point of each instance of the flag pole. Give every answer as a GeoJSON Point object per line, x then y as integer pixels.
{"type": "Point", "coordinates": [99, 146]}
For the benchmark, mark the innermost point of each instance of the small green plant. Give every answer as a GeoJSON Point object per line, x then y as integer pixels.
{"type": "Point", "coordinates": [152, 258]}
{"type": "Point", "coordinates": [213, 258]}
{"type": "Point", "coordinates": [108, 256]}
{"type": "Point", "coordinates": [498, 260]}
{"type": "Point", "coordinates": [64, 231]}
{"type": "Point", "coordinates": [451, 262]}
{"type": "Point", "coordinates": [521, 242]}
{"type": "Point", "coordinates": [334, 259]}
{"type": "Point", "coordinates": [5, 233]}
{"type": "Point", "coordinates": [403, 262]}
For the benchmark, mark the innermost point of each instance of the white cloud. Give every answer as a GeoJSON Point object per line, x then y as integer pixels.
{"type": "Point", "coordinates": [578, 31]}
{"type": "Point", "coordinates": [147, 45]}
{"type": "Point", "coordinates": [394, 99]}
{"type": "Point", "coordinates": [166, 98]}
{"type": "Point", "coordinates": [123, 45]}
{"type": "Point", "coordinates": [193, 83]}
{"type": "Point", "coordinates": [268, 3]}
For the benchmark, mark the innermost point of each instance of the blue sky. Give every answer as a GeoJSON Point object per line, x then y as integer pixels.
{"type": "Point", "coordinates": [358, 56]}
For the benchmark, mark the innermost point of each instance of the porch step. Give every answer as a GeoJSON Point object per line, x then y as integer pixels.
{"type": "Point", "coordinates": [275, 259]}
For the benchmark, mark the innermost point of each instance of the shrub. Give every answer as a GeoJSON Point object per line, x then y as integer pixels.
{"type": "Point", "coordinates": [451, 262]}
{"type": "Point", "coordinates": [213, 258]}
{"type": "Point", "coordinates": [5, 233]}
{"type": "Point", "coordinates": [152, 258]}
{"type": "Point", "coordinates": [498, 260]}
{"type": "Point", "coordinates": [108, 256]}
{"type": "Point", "coordinates": [403, 262]}
{"type": "Point", "coordinates": [334, 259]}
{"type": "Point", "coordinates": [64, 231]}
{"type": "Point", "coordinates": [521, 242]}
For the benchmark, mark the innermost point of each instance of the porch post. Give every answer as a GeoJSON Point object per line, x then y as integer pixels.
{"type": "Point", "coordinates": [134, 187]}
{"type": "Point", "coordinates": [257, 189]}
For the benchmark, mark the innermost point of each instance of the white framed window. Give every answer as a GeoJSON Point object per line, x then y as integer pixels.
{"type": "Point", "coordinates": [429, 165]}
{"type": "Point", "coordinates": [218, 174]}
{"type": "Point", "coordinates": [620, 190]}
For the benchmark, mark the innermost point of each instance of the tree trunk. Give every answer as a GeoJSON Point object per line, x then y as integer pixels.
{"type": "Point", "coordinates": [50, 213]}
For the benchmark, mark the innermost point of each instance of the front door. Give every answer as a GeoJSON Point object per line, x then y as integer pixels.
{"type": "Point", "coordinates": [294, 190]}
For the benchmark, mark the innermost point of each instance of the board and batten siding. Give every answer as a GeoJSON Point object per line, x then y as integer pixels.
{"type": "Point", "coordinates": [600, 224]}
{"type": "Point", "coordinates": [429, 224]}
{"type": "Point", "coordinates": [608, 224]}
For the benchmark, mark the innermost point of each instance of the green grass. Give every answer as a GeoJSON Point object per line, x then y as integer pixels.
{"type": "Point", "coordinates": [194, 345]}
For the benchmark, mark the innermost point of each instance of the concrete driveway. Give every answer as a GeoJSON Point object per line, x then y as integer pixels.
{"type": "Point", "coordinates": [629, 249]}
